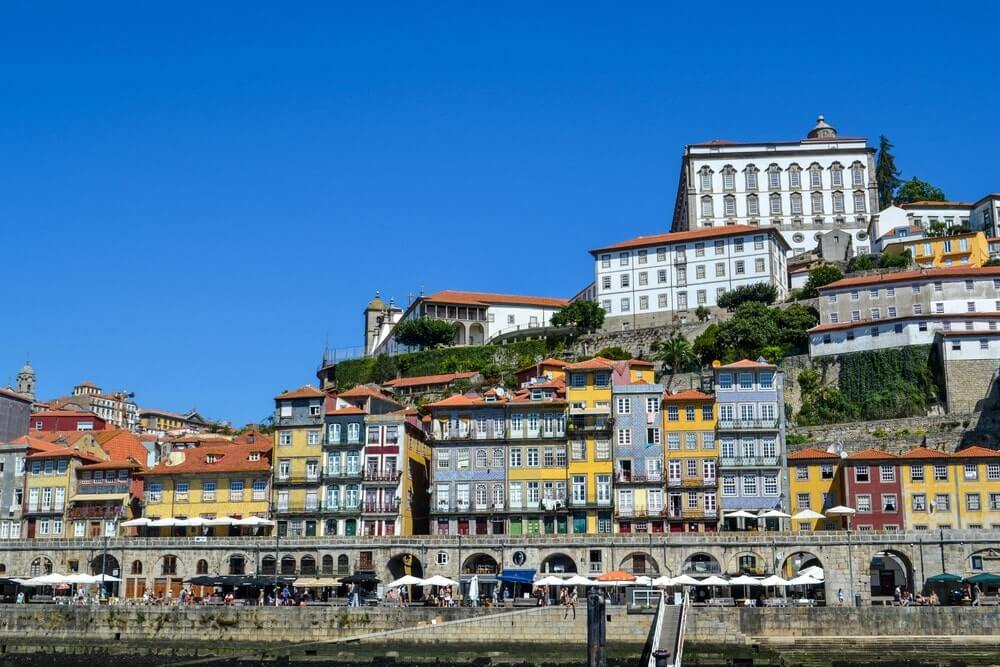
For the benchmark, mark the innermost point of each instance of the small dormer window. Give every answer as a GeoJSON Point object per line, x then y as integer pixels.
{"type": "Point", "coordinates": [537, 395]}
{"type": "Point", "coordinates": [255, 456]}
{"type": "Point", "coordinates": [211, 458]}
{"type": "Point", "coordinates": [490, 398]}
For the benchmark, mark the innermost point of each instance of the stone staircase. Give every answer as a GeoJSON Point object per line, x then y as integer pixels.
{"type": "Point", "coordinates": [848, 650]}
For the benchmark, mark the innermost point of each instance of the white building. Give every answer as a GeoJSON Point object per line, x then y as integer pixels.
{"type": "Point", "coordinates": [651, 280]}
{"type": "Point", "coordinates": [904, 308]}
{"type": "Point", "coordinates": [802, 188]}
{"type": "Point", "coordinates": [982, 215]}
{"type": "Point", "coordinates": [477, 317]}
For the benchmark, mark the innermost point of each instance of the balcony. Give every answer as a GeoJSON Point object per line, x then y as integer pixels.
{"type": "Point", "coordinates": [343, 474]}
{"type": "Point", "coordinates": [44, 509]}
{"type": "Point", "coordinates": [390, 477]}
{"type": "Point", "coordinates": [748, 461]}
{"type": "Point", "coordinates": [339, 508]}
{"type": "Point", "coordinates": [296, 479]}
{"type": "Point", "coordinates": [85, 487]}
{"type": "Point", "coordinates": [748, 425]}
{"type": "Point", "coordinates": [636, 512]}
{"type": "Point", "coordinates": [696, 483]}
{"type": "Point", "coordinates": [96, 512]}
{"type": "Point", "coordinates": [689, 514]}
{"type": "Point", "coordinates": [381, 508]}
{"type": "Point", "coordinates": [638, 478]}
{"type": "Point", "coordinates": [469, 434]}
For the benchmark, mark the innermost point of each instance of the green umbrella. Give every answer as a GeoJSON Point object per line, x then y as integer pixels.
{"type": "Point", "coordinates": [944, 578]}
{"type": "Point", "coordinates": [984, 578]}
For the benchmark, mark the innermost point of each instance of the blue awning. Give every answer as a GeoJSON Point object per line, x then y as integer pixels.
{"type": "Point", "coordinates": [517, 576]}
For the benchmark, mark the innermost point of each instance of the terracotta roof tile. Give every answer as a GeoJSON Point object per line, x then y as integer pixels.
{"type": "Point", "coordinates": [37, 444]}
{"type": "Point", "coordinates": [920, 274]}
{"type": "Point", "coordinates": [349, 410]}
{"type": "Point", "coordinates": [231, 458]}
{"type": "Point", "coordinates": [924, 453]}
{"type": "Point", "coordinates": [811, 453]}
{"type": "Point", "coordinates": [977, 451]}
{"type": "Point", "coordinates": [595, 364]}
{"type": "Point", "coordinates": [10, 393]}
{"type": "Point", "coordinates": [641, 362]}
{"type": "Point", "coordinates": [550, 362]}
{"type": "Point", "coordinates": [937, 204]}
{"type": "Point", "coordinates": [66, 413]}
{"type": "Point", "coordinates": [62, 453]}
{"type": "Point", "coordinates": [112, 465]}
{"type": "Point", "coordinates": [747, 363]}
{"type": "Point", "coordinates": [871, 455]}
{"type": "Point", "coordinates": [365, 391]}
{"type": "Point", "coordinates": [487, 299]}
{"type": "Point", "coordinates": [306, 391]}
{"type": "Point", "coordinates": [419, 380]}
{"type": "Point", "coordinates": [679, 237]}
{"type": "Point", "coordinates": [121, 445]}
{"type": "Point", "coordinates": [687, 395]}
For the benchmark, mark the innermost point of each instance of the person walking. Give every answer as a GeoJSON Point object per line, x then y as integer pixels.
{"type": "Point", "coordinates": [977, 594]}
{"type": "Point", "coordinates": [840, 597]}
{"type": "Point", "coordinates": [570, 605]}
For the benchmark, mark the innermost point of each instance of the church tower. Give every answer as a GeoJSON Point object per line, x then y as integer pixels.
{"type": "Point", "coordinates": [26, 381]}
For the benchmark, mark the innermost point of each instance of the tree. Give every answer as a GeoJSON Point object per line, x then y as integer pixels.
{"type": "Point", "coordinates": [751, 328]}
{"type": "Point", "coordinates": [706, 345]}
{"type": "Point", "coordinates": [860, 263]}
{"type": "Point", "coordinates": [762, 292]}
{"type": "Point", "coordinates": [993, 262]}
{"type": "Point", "coordinates": [675, 353]}
{"type": "Point", "coordinates": [614, 353]}
{"type": "Point", "coordinates": [936, 229]}
{"type": "Point", "coordinates": [702, 313]}
{"type": "Point", "coordinates": [819, 276]}
{"type": "Point", "coordinates": [424, 332]}
{"type": "Point", "coordinates": [886, 173]}
{"type": "Point", "coordinates": [584, 315]}
{"type": "Point", "coordinates": [900, 261]}
{"type": "Point", "coordinates": [794, 323]}
{"type": "Point", "coordinates": [917, 190]}
{"type": "Point", "coordinates": [385, 368]}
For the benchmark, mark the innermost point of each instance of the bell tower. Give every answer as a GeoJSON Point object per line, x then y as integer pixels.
{"type": "Point", "coordinates": [26, 381]}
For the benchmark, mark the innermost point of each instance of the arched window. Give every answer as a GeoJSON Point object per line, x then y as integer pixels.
{"type": "Point", "coordinates": [815, 175]}
{"type": "Point", "coordinates": [498, 496]}
{"type": "Point", "coordinates": [706, 207]}
{"type": "Point", "coordinates": [307, 565]}
{"type": "Point", "coordinates": [481, 496]}
{"type": "Point", "coordinates": [498, 461]}
{"type": "Point", "coordinates": [201, 567]}
{"type": "Point", "coordinates": [794, 176]}
{"type": "Point", "coordinates": [267, 565]}
{"type": "Point", "coordinates": [706, 179]}
{"type": "Point", "coordinates": [753, 206]}
{"type": "Point", "coordinates": [343, 566]}
{"type": "Point", "coordinates": [775, 200]}
{"type": "Point", "coordinates": [481, 458]}
{"type": "Point", "coordinates": [817, 203]}
{"type": "Point", "coordinates": [729, 201]}
{"type": "Point", "coordinates": [169, 565]}
{"type": "Point", "coordinates": [728, 178]}
{"type": "Point", "coordinates": [796, 202]}
{"type": "Point", "coordinates": [751, 176]}
{"type": "Point", "coordinates": [237, 565]}
{"type": "Point", "coordinates": [858, 175]}
{"type": "Point", "coordinates": [136, 567]}
{"type": "Point", "coordinates": [288, 565]}
{"type": "Point", "coordinates": [838, 202]}
{"type": "Point", "coordinates": [327, 564]}
{"type": "Point", "coordinates": [3, 568]}
{"type": "Point", "coordinates": [836, 175]}
{"type": "Point", "coordinates": [773, 177]}
{"type": "Point", "coordinates": [40, 566]}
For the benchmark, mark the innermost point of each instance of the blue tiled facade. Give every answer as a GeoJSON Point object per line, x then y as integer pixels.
{"type": "Point", "coordinates": [637, 445]}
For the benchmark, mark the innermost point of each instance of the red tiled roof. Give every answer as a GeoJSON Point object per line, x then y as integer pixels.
{"type": "Point", "coordinates": [162, 413]}
{"type": "Point", "coordinates": [487, 298]}
{"type": "Point", "coordinates": [112, 465]}
{"type": "Point", "coordinates": [977, 451]}
{"type": "Point", "coordinates": [811, 453]}
{"type": "Point", "coordinates": [37, 444]}
{"type": "Point", "coordinates": [693, 235]}
{"type": "Point", "coordinates": [551, 361]}
{"type": "Point", "coordinates": [66, 413]}
{"type": "Point", "coordinates": [746, 363]}
{"type": "Point", "coordinates": [907, 276]}
{"type": "Point", "coordinates": [461, 401]}
{"type": "Point", "coordinates": [419, 380]}
{"type": "Point", "coordinates": [63, 438]}
{"type": "Point", "coordinates": [687, 395]}
{"type": "Point", "coordinates": [232, 458]}
{"type": "Point", "coordinates": [641, 362]}
{"type": "Point", "coordinates": [871, 455]}
{"type": "Point", "coordinates": [121, 445]}
{"type": "Point", "coordinates": [62, 453]}
{"type": "Point", "coordinates": [349, 410]}
{"type": "Point", "coordinates": [306, 391]}
{"type": "Point", "coordinates": [895, 230]}
{"type": "Point", "coordinates": [924, 453]}
{"type": "Point", "coordinates": [595, 364]}
{"type": "Point", "coordinates": [364, 391]}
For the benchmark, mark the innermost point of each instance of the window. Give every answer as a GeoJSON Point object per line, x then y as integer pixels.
{"type": "Point", "coordinates": [775, 200]}
{"type": "Point", "coordinates": [706, 207]}
{"type": "Point", "coordinates": [940, 472]}
{"type": "Point", "coordinates": [720, 247]}
{"type": "Point", "coordinates": [706, 413]}
{"type": "Point", "coordinates": [993, 471]}
{"type": "Point", "coordinates": [706, 179]}
{"type": "Point", "coordinates": [972, 502]}
{"type": "Point", "coordinates": [918, 502]}
{"type": "Point", "coordinates": [606, 282]}
{"type": "Point", "coordinates": [889, 503]}
{"type": "Point", "coordinates": [861, 473]}
{"type": "Point", "coordinates": [815, 176]}
{"type": "Point", "coordinates": [751, 177]}
{"type": "Point", "coordinates": [624, 406]}
{"type": "Point", "coordinates": [625, 305]}
{"type": "Point", "coordinates": [749, 485]}
{"type": "Point", "coordinates": [720, 269]}
{"type": "Point", "coordinates": [916, 472]}
{"type": "Point", "coordinates": [942, 502]}
{"type": "Point", "coordinates": [817, 203]}
{"type": "Point", "coordinates": [759, 265]}
{"type": "Point", "coordinates": [729, 485]}
{"type": "Point", "coordinates": [673, 413]}
{"type": "Point", "coordinates": [602, 449]}
{"type": "Point", "coordinates": [673, 441]}
{"type": "Point", "coordinates": [887, 473]}
{"type": "Point", "coordinates": [801, 473]}
{"type": "Point", "coordinates": [729, 202]}
{"type": "Point", "coordinates": [863, 503]}
{"type": "Point", "coordinates": [774, 177]}
{"type": "Point", "coordinates": [532, 457]}
{"type": "Point", "coordinates": [285, 439]}
{"type": "Point", "coordinates": [838, 202]}
{"type": "Point", "coordinates": [753, 206]}
{"type": "Point", "coordinates": [605, 261]}
{"type": "Point", "coordinates": [802, 501]}
{"type": "Point", "coordinates": [796, 203]}
{"type": "Point", "coordinates": [623, 259]}
{"type": "Point", "coordinates": [643, 278]}
{"type": "Point", "coordinates": [826, 471]}
{"type": "Point", "coordinates": [794, 177]}
{"type": "Point", "coordinates": [642, 256]}
{"type": "Point", "coordinates": [624, 278]}
{"type": "Point", "coordinates": [740, 268]}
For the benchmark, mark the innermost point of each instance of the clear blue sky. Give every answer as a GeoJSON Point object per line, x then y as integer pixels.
{"type": "Point", "coordinates": [194, 197]}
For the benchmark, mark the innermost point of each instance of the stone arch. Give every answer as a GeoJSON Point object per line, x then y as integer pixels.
{"type": "Point", "coordinates": [477, 334]}
{"type": "Point", "coordinates": [797, 561]}
{"type": "Point", "coordinates": [481, 563]}
{"type": "Point", "coordinates": [404, 564]}
{"type": "Point", "coordinates": [268, 565]}
{"type": "Point", "coordinates": [343, 564]}
{"type": "Point", "coordinates": [136, 567]}
{"type": "Point", "coordinates": [984, 560]}
{"type": "Point", "coordinates": [105, 564]}
{"type": "Point", "coordinates": [639, 563]}
{"type": "Point", "coordinates": [307, 565]}
{"type": "Point", "coordinates": [288, 564]}
{"type": "Point", "coordinates": [236, 564]}
{"type": "Point", "coordinates": [748, 562]}
{"type": "Point", "coordinates": [201, 567]}
{"type": "Point", "coordinates": [168, 565]}
{"type": "Point", "coordinates": [701, 563]}
{"type": "Point", "coordinates": [39, 566]}
{"type": "Point", "coordinates": [3, 568]}
{"type": "Point", "coordinates": [326, 564]}
{"type": "Point", "coordinates": [558, 563]}
{"type": "Point", "coordinates": [888, 569]}
{"type": "Point", "coordinates": [459, 338]}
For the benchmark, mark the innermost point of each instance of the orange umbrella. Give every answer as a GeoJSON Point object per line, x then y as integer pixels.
{"type": "Point", "coordinates": [615, 576]}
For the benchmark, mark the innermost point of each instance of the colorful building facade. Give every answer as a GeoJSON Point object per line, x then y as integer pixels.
{"type": "Point", "coordinates": [692, 457]}
{"type": "Point", "coordinates": [298, 456]}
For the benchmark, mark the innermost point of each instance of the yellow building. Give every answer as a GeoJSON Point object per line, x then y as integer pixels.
{"type": "Point", "coordinates": [161, 421]}
{"type": "Point", "coordinates": [49, 484]}
{"type": "Point", "coordinates": [211, 481]}
{"type": "Point", "coordinates": [966, 249]}
{"type": "Point", "coordinates": [959, 490]}
{"type": "Point", "coordinates": [588, 392]}
{"type": "Point", "coordinates": [395, 476]}
{"type": "Point", "coordinates": [298, 459]}
{"type": "Point", "coordinates": [692, 457]}
{"type": "Point", "coordinates": [815, 482]}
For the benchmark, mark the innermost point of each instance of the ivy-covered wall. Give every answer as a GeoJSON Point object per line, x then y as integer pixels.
{"type": "Point", "coordinates": [888, 384]}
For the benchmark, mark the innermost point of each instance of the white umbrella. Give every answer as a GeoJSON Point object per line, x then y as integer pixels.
{"type": "Point", "coordinates": [141, 521]}
{"type": "Point", "coordinates": [253, 521]}
{"type": "Point", "coordinates": [744, 580]}
{"type": "Point", "coordinates": [740, 514]}
{"type": "Point", "coordinates": [814, 571]}
{"type": "Point", "coordinates": [193, 521]}
{"type": "Point", "coordinates": [220, 521]}
{"type": "Point", "coordinates": [773, 580]}
{"type": "Point", "coordinates": [550, 581]}
{"type": "Point", "coordinates": [804, 580]}
{"type": "Point", "coordinates": [474, 588]}
{"type": "Point", "coordinates": [53, 579]}
{"type": "Point", "coordinates": [840, 510]}
{"type": "Point", "coordinates": [713, 581]}
{"type": "Point", "coordinates": [406, 580]}
{"type": "Point", "coordinates": [807, 515]}
{"type": "Point", "coordinates": [78, 578]}
{"type": "Point", "coordinates": [163, 523]}
{"type": "Point", "coordinates": [578, 580]}
{"type": "Point", "coordinates": [684, 580]}
{"type": "Point", "coordinates": [643, 581]}
{"type": "Point", "coordinates": [438, 580]}
{"type": "Point", "coordinates": [774, 514]}
{"type": "Point", "coordinates": [662, 582]}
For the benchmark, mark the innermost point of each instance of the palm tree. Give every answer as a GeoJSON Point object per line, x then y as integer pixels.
{"type": "Point", "coordinates": [675, 353]}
